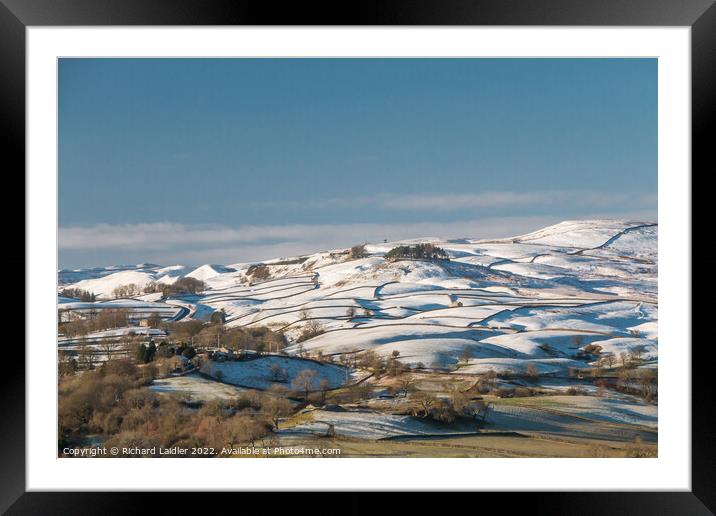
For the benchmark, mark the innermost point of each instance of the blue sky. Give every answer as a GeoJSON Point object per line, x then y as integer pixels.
{"type": "Point", "coordinates": [228, 160]}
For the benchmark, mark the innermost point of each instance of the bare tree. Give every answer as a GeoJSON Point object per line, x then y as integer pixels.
{"type": "Point", "coordinates": [324, 385]}
{"type": "Point", "coordinates": [647, 381]}
{"type": "Point", "coordinates": [490, 378]}
{"type": "Point", "coordinates": [625, 378]}
{"type": "Point", "coordinates": [109, 347]}
{"type": "Point", "coordinates": [357, 251]}
{"type": "Point", "coordinates": [304, 380]}
{"type": "Point", "coordinates": [636, 352]}
{"type": "Point", "coordinates": [532, 371]}
{"type": "Point", "coordinates": [86, 354]}
{"type": "Point", "coordinates": [609, 359]}
{"type": "Point", "coordinates": [276, 408]}
{"type": "Point", "coordinates": [466, 354]}
{"type": "Point", "coordinates": [405, 383]}
{"type": "Point", "coordinates": [459, 401]}
{"type": "Point", "coordinates": [425, 402]}
{"type": "Point", "coordinates": [312, 329]}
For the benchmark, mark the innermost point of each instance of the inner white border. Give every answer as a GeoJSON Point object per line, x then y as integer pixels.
{"type": "Point", "coordinates": [672, 468]}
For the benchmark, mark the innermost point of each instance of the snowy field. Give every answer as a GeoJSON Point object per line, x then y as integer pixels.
{"type": "Point", "coordinates": [115, 334]}
{"type": "Point", "coordinates": [264, 372]}
{"type": "Point", "coordinates": [195, 388]}
{"type": "Point", "coordinates": [586, 417]}
{"type": "Point", "coordinates": [366, 424]}
{"type": "Point", "coordinates": [539, 298]}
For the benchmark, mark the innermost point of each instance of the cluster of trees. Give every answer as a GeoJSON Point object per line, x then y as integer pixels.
{"type": "Point", "coordinates": [357, 251]}
{"type": "Point", "coordinates": [96, 320]}
{"type": "Point", "coordinates": [417, 252]}
{"type": "Point", "coordinates": [180, 334]}
{"type": "Point", "coordinates": [114, 401]}
{"type": "Point", "coordinates": [181, 286]}
{"type": "Point", "coordinates": [185, 286]}
{"type": "Point", "coordinates": [367, 359]}
{"type": "Point", "coordinates": [259, 339]}
{"type": "Point", "coordinates": [78, 293]}
{"type": "Point", "coordinates": [642, 382]}
{"type": "Point", "coordinates": [307, 384]}
{"type": "Point", "coordinates": [218, 316]}
{"type": "Point", "coordinates": [632, 357]}
{"type": "Point", "coordinates": [144, 353]}
{"type": "Point", "coordinates": [86, 401]}
{"type": "Point", "coordinates": [90, 354]}
{"type": "Point", "coordinates": [607, 361]}
{"type": "Point", "coordinates": [576, 391]}
{"type": "Point", "coordinates": [124, 291]}
{"type": "Point", "coordinates": [590, 349]}
{"type": "Point", "coordinates": [307, 380]}
{"type": "Point", "coordinates": [68, 364]}
{"type": "Point", "coordinates": [513, 392]}
{"type": "Point", "coordinates": [379, 365]}
{"type": "Point", "coordinates": [183, 331]}
{"type": "Point", "coordinates": [447, 409]}
{"type": "Point", "coordinates": [258, 272]}
{"type": "Point", "coordinates": [312, 328]}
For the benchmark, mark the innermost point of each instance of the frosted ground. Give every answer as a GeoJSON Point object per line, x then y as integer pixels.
{"type": "Point", "coordinates": [258, 373]}
{"type": "Point", "coordinates": [568, 416]}
{"type": "Point", "coordinates": [195, 388]}
{"type": "Point", "coordinates": [537, 299]}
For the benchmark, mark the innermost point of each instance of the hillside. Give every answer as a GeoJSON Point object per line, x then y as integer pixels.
{"type": "Point", "coordinates": [496, 304]}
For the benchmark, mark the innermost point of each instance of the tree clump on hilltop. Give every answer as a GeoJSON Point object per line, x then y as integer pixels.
{"type": "Point", "coordinates": [77, 293]}
{"type": "Point", "coordinates": [126, 291]}
{"type": "Point", "coordinates": [186, 285]}
{"type": "Point", "coordinates": [312, 329]}
{"type": "Point", "coordinates": [357, 251]}
{"type": "Point", "coordinates": [417, 252]}
{"type": "Point", "coordinates": [259, 272]}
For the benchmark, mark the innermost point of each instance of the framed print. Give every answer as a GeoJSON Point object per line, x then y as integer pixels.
{"type": "Point", "coordinates": [446, 240]}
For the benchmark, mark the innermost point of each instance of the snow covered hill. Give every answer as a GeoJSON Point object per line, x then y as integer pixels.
{"type": "Point", "coordinates": [105, 285]}
{"type": "Point", "coordinates": [539, 298]}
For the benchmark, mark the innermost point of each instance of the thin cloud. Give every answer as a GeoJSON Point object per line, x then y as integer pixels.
{"type": "Point", "coordinates": [166, 242]}
{"type": "Point", "coordinates": [476, 201]}
{"type": "Point", "coordinates": [164, 235]}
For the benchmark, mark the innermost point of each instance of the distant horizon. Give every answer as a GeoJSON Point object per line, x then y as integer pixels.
{"type": "Point", "coordinates": [194, 265]}
{"type": "Point", "coordinates": [195, 161]}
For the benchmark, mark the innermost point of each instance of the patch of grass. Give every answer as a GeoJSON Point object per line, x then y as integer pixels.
{"type": "Point", "coordinates": [537, 401]}
{"type": "Point", "coordinates": [471, 446]}
{"type": "Point", "coordinates": [296, 419]}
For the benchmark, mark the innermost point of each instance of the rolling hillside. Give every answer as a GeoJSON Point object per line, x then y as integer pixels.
{"type": "Point", "coordinates": [499, 304]}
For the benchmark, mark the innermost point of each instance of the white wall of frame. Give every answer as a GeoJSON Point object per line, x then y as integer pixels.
{"type": "Point", "coordinates": [671, 470]}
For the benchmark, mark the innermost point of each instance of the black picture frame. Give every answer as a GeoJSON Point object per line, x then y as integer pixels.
{"type": "Point", "coordinates": [700, 15]}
